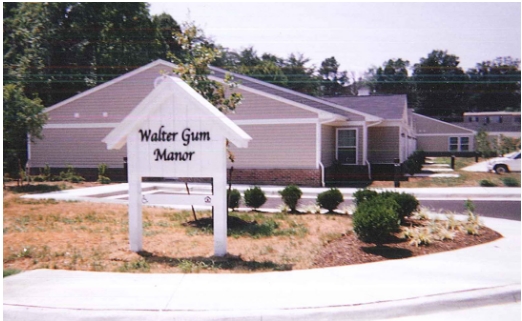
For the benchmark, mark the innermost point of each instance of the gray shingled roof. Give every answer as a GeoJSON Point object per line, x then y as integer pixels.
{"type": "Point", "coordinates": [385, 106]}
{"type": "Point", "coordinates": [292, 95]}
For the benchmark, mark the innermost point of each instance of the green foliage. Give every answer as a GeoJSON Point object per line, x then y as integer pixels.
{"type": "Point", "coordinates": [415, 161]}
{"type": "Point", "coordinates": [407, 203]}
{"type": "Point", "coordinates": [330, 199]}
{"type": "Point", "coordinates": [486, 183]}
{"type": "Point", "coordinates": [193, 67]}
{"type": "Point", "coordinates": [363, 195]}
{"type": "Point", "coordinates": [254, 197]}
{"type": "Point", "coordinates": [291, 196]}
{"type": "Point", "coordinates": [510, 181]}
{"type": "Point", "coordinates": [508, 144]}
{"type": "Point", "coordinates": [374, 220]}
{"type": "Point", "coordinates": [9, 272]}
{"type": "Point", "coordinates": [70, 175]}
{"type": "Point", "coordinates": [22, 117]}
{"type": "Point", "coordinates": [102, 171]}
{"type": "Point", "coordinates": [485, 146]}
{"type": "Point", "coordinates": [233, 198]}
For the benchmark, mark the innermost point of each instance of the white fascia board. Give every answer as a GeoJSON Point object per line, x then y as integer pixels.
{"type": "Point", "coordinates": [444, 134]}
{"type": "Point", "coordinates": [445, 123]}
{"type": "Point", "coordinates": [111, 82]}
{"type": "Point", "coordinates": [275, 121]}
{"type": "Point", "coordinates": [168, 88]}
{"type": "Point", "coordinates": [80, 125]}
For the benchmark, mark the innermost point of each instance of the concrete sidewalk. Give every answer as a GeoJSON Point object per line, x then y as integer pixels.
{"type": "Point", "coordinates": [479, 276]}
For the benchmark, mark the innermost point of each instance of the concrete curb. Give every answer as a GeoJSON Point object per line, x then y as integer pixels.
{"type": "Point", "coordinates": [369, 311]}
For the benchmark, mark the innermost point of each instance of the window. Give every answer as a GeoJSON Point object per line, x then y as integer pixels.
{"type": "Point", "coordinates": [459, 144]}
{"type": "Point", "coordinates": [347, 146]}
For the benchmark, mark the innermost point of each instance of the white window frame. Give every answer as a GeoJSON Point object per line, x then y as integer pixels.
{"type": "Point", "coordinates": [356, 145]}
{"type": "Point", "coordinates": [459, 144]}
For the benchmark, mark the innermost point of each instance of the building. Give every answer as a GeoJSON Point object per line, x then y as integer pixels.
{"type": "Point", "coordinates": [296, 138]}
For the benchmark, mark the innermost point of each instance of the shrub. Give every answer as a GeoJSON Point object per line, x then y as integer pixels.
{"type": "Point", "coordinates": [510, 182]}
{"type": "Point", "coordinates": [414, 162]}
{"type": "Point", "coordinates": [102, 171]}
{"type": "Point", "coordinates": [487, 183]}
{"type": "Point", "coordinates": [407, 203]}
{"type": "Point", "coordinates": [362, 195]}
{"type": "Point", "coordinates": [71, 176]}
{"type": "Point", "coordinates": [254, 197]}
{"type": "Point", "coordinates": [374, 220]}
{"type": "Point", "coordinates": [233, 198]}
{"type": "Point", "coordinates": [291, 196]}
{"type": "Point", "coordinates": [330, 199]}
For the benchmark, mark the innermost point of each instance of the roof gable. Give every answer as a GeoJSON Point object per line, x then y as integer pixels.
{"type": "Point", "coordinates": [174, 92]}
{"type": "Point", "coordinates": [428, 125]}
{"type": "Point", "coordinates": [112, 82]}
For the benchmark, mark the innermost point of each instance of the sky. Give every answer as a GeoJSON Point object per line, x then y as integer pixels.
{"type": "Point", "coordinates": [359, 35]}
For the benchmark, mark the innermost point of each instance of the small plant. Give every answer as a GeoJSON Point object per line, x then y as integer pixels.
{"type": "Point", "coordinates": [102, 174]}
{"type": "Point", "coordinates": [375, 220]}
{"type": "Point", "coordinates": [470, 206]}
{"type": "Point", "coordinates": [421, 237]}
{"type": "Point", "coordinates": [254, 197]}
{"type": "Point", "coordinates": [71, 176]}
{"type": "Point", "coordinates": [486, 183]}
{"type": "Point", "coordinates": [330, 199]}
{"type": "Point", "coordinates": [233, 198]}
{"type": "Point", "coordinates": [291, 196]}
{"type": "Point", "coordinates": [510, 182]}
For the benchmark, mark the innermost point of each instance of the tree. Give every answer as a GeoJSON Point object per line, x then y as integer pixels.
{"type": "Point", "coordinates": [56, 50]}
{"type": "Point", "coordinates": [300, 77]}
{"type": "Point", "coordinates": [439, 85]}
{"type": "Point", "coordinates": [390, 78]}
{"type": "Point", "coordinates": [495, 85]}
{"type": "Point", "coordinates": [334, 82]}
{"type": "Point", "coordinates": [23, 117]}
{"type": "Point", "coordinates": [193, 68]}
{"type": "Point", "coordinates": [484, 145]}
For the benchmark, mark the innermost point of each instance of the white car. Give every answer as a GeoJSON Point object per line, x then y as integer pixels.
{"type": "Point", "coordinates": [505, 164]}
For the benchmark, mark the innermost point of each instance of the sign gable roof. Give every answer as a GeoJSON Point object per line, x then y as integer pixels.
{"type": "Point", "coordinates": [167, 89]}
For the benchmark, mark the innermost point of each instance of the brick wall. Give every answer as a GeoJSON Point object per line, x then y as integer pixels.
{"type": "Point", "coordinates": [303, 177]}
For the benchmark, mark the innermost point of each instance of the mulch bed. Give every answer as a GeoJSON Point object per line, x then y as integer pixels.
{"type": "Point", "coordinates": [349, 249]}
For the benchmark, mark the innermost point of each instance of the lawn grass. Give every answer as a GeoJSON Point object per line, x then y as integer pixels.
{"type": "Point", "coordinates": [94, 237]}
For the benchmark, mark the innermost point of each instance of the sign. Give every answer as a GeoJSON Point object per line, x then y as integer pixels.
{"type": "Point", "coordinates": [174, 132]}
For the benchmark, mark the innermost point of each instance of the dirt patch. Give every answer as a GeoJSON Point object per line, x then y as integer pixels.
{"type": "Point", "coordinates": [349, 249]}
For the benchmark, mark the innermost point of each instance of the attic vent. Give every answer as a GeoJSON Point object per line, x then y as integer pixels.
{"type": "Point", "coordinates": [105, 114]}
{"type": "Point", "coordinates": [159, 80]}
{"type": "Point", "coordinates": [76, 115]}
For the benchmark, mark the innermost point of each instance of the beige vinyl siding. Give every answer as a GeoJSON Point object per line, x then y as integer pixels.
{"type": "Point", "coordinates": [277, 146]}
{"type": "Point", "coordinates": [383, 144]}
{"type": "Point", "coordinates": [117, 100]}
{"type": "Point", "coordinates": [76, 147]}
{"type": "Point", "coordinates": [426, 125]}
{"type": "Point", "coordinates": [440, 143]}
{"type": "Point", "coordinates": [255, 106]}
{"type": "Point", "coordinates": [327, 145]}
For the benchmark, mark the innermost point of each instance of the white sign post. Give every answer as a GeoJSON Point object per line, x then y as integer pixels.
{"type": "Point", "coordinates": [174, 132]}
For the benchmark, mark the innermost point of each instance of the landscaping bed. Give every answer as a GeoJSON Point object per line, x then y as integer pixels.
{"type": "Point", "coordinates": [46, 234]}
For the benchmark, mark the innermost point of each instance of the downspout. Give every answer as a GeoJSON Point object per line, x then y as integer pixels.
{"type": "Point", "coordinates": [322, 174]}
{"type": "Point", "coordinates": [366, 147]}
